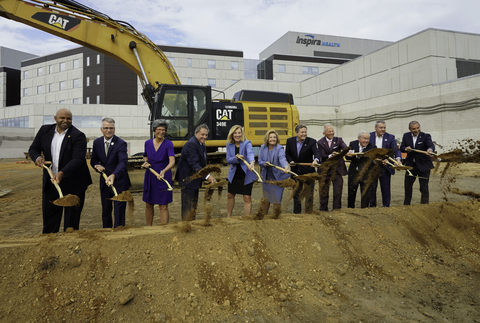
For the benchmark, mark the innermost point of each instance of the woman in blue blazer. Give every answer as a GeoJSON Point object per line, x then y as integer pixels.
{"type": "Point", "coordinates": [240, 177]}
{"type": "Point", "coordinates": [271, 151]}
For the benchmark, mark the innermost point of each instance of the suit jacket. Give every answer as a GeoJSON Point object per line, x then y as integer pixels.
{"type": "Point", "coordinates": [192, 159]}
{"type": "Point", "coordinates": [71, 162]}
{"type": "Point", "coordinates": [357, 161]}
{"type": "Point", "coordinates": [278, 159]}
{"type": "Point", "coordinates": [246, 150]}
{"type": "Point", "coordinates": [424, 142]}
{"type": "Point", "coordinates": [115, 162]}
{"type": "Point", "coordinates": [388, 142]}
{"type": "Point", "coordinates": [337, 145]}
{"type": "Point", "coordinates": [308, 153]}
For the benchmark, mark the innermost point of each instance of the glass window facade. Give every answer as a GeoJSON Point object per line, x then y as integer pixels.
{"type": "Point", "coordinates": [62, 66]}
{"type": "Point", "coordinates": [310, 70]}
{"type": "Point", "coordinates": [281, 68]}
{"type": "Point", "coordinates": [212, 82]}
{"type": "Point", "coordinates": [234, 65]}
{"type": "Point", "coordinates": [21, 122]}
{"type": "Point", "coordinates": [211, 64]}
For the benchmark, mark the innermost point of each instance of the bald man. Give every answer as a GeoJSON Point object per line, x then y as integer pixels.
{"type": "Point", "coordinates": [65, 146]}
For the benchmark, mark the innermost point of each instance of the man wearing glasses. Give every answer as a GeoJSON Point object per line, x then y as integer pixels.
{"type": "Point", "coordinates": [109, 155]}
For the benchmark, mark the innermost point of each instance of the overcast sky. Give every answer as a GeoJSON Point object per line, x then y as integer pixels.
{"type": "Point", "coordinates": [251, 25]}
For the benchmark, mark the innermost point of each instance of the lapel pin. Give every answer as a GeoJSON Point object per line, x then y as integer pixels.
{"type": "Point", "coordinates": [68, 136]}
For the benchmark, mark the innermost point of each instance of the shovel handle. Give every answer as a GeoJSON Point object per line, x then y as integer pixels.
{"type": "Point", "coordinates": [306, 164]}
{"type": "Point", "coordinates": [259, 178]}
{"type": "Point", "coordinates": [423, 152]}
{"type": "Point", "coordinates": [280, 168]}
{"type": "Point", "coordinates": [49, 170]}
{"type": "Point", "coordinates": [163, 179]}
{"type": "Point", "coordinates": [109, 184]}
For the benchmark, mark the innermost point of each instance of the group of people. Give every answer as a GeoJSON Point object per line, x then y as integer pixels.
{"type": "Point", "coordinates": [364, 171]}
{"type": "Point", "coordinates": [65, 146]}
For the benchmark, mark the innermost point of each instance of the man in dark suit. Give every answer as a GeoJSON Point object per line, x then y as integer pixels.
{"type": "Point", "coordinates": [421, 162]}
{"type": "Point", "coordinates": [109, 155]}
{"type": "Point", "coordinates": [192, 159]}
{"type": "Point", "coordinates": [328, 146]}
{"type": "Point", "coordinates": [302, 149]}
{"type": "Point", "coordinates": [65, 146]}
{"type": "Point", "coordinates": [360, 170]}
{"type": "Point", "coordinates": [382, 139]}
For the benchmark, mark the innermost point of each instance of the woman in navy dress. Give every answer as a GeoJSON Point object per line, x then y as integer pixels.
{"type": "Point", "coordinates": [271, 151]}
{"type": "Point", "coordinates": [160, 157]}
{"type": "Point", "coordinates": [240, 177]}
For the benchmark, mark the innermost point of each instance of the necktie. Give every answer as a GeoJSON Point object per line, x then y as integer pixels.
{"type": "Point", "coordinates": [106, 147]}
{"type": "Point", "coordinates": [329, 143]}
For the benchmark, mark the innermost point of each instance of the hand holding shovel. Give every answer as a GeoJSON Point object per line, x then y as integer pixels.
{"type": "Point", "coordinates": [69, 200]}
{"type": "Point", "coordinates": [259, 178]}
{"type": "Point", "coordinates": [109, 184]}
{"type": "Point", "coordinates": [158, 176]}
{"type": "Point", "coordinates": [280, 168]}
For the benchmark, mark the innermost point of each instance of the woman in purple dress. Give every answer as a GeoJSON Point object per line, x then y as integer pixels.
{"type": "Point", "coordinates": [160, 157]}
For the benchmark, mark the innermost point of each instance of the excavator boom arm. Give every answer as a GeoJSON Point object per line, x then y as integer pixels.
{"type": "Point", "coordinates": [82, 25]}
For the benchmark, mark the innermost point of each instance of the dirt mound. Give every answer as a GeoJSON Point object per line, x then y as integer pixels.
{"type": "Point", "coordinates": [418, 263]}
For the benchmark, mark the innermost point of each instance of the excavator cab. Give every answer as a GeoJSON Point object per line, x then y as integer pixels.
{"type": "Point", "coordinates": [184, 107]}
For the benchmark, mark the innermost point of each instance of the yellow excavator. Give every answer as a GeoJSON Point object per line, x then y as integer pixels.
{"type": "Point", "coordinates": [183, 106]}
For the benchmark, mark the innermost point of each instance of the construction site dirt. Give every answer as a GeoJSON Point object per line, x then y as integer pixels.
{"type": "Point", "coordinates": [418, 263]}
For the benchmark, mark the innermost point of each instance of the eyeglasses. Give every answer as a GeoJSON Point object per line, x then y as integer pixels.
{"type": "Point", "coordinates": [108, 128]}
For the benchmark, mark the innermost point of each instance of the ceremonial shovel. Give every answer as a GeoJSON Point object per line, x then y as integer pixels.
{"type": "Point", "coordinates": [280, 168]}
{"type": "Point", "coordinates": [407, 168]}
{"type": "Point", "coordinates": [69, 200]}
{"type": "Point", "coordinates": [259, 178]}
{"type": "Point", "coordinates": [163, 179]}
{"type": "Point", "coordinates": [122, 197]}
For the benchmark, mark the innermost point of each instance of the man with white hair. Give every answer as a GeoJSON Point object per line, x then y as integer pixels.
{"type": "Point", "coordinates": [360, 168]}
{"type": "Point", "coordinates": [328, 146]}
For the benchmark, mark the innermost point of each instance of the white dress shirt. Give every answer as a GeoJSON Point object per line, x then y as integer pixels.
{"type": "Point", "coordinates": [55, 147]}
{"type": "Point", "coordinates": [379, 141]}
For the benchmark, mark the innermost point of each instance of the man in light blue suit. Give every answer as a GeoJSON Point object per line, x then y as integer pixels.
{"type": "Point", "coordinates": [382, 139]}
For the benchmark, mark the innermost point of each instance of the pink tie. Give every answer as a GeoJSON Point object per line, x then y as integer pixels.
{"type": "Point", "coordinates": [329, 143]}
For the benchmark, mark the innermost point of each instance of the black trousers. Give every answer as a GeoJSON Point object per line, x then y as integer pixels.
{"type": "Point", "coordinates": [385, 183]}
{"type": "Point", "coordinates": [118, 209]}
{"type": "Point", "coordinates": [353, 184]}
{"type": "Point", "coordinates": [297, 201]}
{"type": "Point", "coordinates": [189, 203]}
{"type": "Point", "coordinates": [323, 192]}
{"type": "Point", "coordinates": [52, 214]}
{"type": "Point", "coordinates": [409, 180]}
